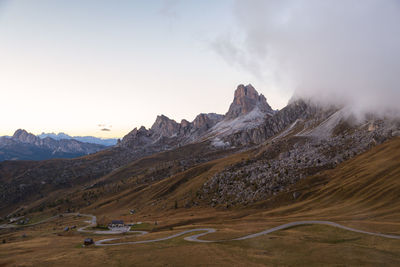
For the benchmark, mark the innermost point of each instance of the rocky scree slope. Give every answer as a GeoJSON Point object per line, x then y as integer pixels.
{"type": "Point", "coordinates": [317, 140]}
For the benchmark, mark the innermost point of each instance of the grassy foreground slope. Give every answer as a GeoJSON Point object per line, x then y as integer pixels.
{"type": "Point", "coordinates": [362, 193]}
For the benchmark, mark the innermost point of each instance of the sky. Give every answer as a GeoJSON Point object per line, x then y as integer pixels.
{"type": "Point", "coordinates": [334, 52]}
{"type": "Point", "coordinates": [102, 68]}
{"type": "Point", "coordinates": [82, 67]}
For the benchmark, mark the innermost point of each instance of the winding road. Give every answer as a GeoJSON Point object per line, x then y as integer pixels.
{"type": "Point", "coordinates": [192, 238]}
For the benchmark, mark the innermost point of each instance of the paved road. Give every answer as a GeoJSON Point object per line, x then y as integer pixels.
{"type": "Point", "coordinates": [288, 225]}
{"type": "Point", "coordinates": [190, 238]}
{"type": "Point", "coordinates": [194, 238]}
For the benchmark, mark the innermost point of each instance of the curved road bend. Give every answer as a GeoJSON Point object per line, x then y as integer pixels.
{"type": "Point", "coordinates": [195, 238]}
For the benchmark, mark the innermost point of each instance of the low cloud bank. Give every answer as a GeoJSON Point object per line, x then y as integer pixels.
{"type": "Point", "coordinates": [336, 52]}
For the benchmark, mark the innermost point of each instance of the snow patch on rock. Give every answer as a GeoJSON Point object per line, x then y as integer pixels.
{"type": "Point", "coordinates": [248, 121]}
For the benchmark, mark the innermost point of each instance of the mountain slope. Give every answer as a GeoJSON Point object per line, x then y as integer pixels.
{"type": "Point", "coordinates": [317, 140]}
{"type": "Point", "coordinates": [342, 195]}
{"type": "Point", "coordinates": [365, 187]}
{"type": "Point", "coordinates": [266, 154]}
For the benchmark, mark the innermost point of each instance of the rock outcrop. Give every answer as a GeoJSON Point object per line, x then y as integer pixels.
{"type": "Point", "coordinates": [164, 126]}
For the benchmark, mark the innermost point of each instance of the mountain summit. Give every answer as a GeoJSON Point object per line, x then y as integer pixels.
{"type": "Point", "coordinates": [24, 137]}
{"type": "Point", "coordinates": [247, 111]}
{"type": "Point", "coordinates": [245, 100]}
{"type": "Point", "coordinates": [164, 126]}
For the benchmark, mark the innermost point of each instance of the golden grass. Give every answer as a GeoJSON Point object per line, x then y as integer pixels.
{"type": "Point", "coordinates": [304, 245]}
{"type": "Point", "coordinates": [360, 193]}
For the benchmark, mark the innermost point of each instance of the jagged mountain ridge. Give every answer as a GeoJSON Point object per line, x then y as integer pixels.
{"type": "Point", "coordinates": [166, 132]}
{"type": "Point", "coordinates": [26, 146]}
{"type": "Point", "coordinates": [84, 139]}
{"type": "Point", "coordinates": [248, 110]}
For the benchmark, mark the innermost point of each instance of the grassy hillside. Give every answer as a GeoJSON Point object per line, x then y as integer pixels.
{"type": "Point", "coordinates": [364, 186]}
{"type": "Point", "coordinates": [360, 193]}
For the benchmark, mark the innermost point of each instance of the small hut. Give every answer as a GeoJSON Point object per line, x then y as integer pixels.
{"type": "Point", "coordinates": [117, 223]}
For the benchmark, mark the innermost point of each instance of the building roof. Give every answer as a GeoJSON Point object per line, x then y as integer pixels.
{"type": "Point", "coordinates": [117, 222]}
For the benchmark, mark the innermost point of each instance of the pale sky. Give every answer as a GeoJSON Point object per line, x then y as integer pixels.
{"type": "Point", "coordinates": [69, 66]}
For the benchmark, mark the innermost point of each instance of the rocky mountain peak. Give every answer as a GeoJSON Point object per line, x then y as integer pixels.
{"type": "Point", "coordinates": [24, 137]}
{"type": "Point", "coordinates": [247, 91]}
{"type": "Point", "coordinates": [142, 129]}
{"type": "Point", "coordinates": [137, 131]}
{"type": "Point", "coordinates": [206, 121]}
{"type": "Point", "coordinates": [185, 123]}
{"type": "Point", "coordinates": [245, 100]}
{"type": "Point", "coordinates": [164, 126]}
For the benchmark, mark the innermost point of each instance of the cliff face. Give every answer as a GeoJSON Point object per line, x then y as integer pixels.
{"type": "Point", "coordinates": [245, 100]}
{"type": "Point", "coordinates": [163, 126]}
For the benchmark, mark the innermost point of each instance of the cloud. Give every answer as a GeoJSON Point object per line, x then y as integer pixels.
{"type": "Point", "coordinates": [104, 127]}
{"type": "Point", "coordinates": [333, 51]}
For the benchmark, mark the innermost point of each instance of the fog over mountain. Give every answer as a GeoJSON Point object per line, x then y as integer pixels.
{"type": "Point", "coordinates": [345, 52]}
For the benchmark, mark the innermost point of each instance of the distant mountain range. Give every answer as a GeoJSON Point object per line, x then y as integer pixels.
{"type": "Point", "coordinates": [247, 111]}
{"type": "Point", "coordinates": [26, 146]}
{"type": "Point", "coordinates": [85, 139]}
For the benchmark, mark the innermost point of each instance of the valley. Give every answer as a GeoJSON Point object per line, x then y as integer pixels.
{"type": "Point", "coordinates": [200, 133]}
{"type": "Point", "coordinates": [360, 193]}
{"type": "Point", "coordinates": [304, 173]}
